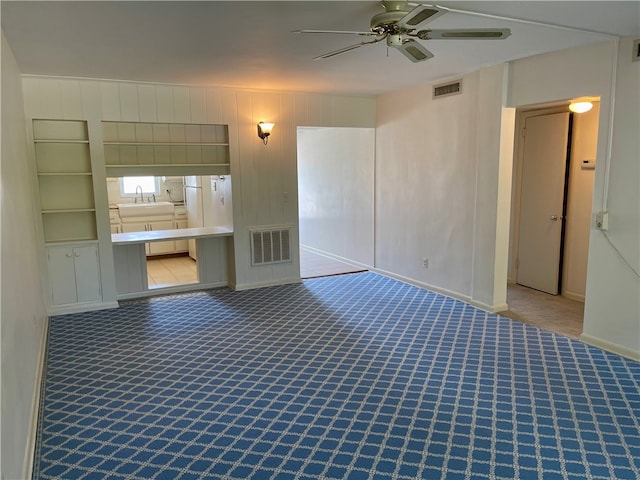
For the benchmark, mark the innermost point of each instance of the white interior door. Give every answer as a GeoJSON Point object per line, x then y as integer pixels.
{"type": "Point", "coordinates": [541, 201]}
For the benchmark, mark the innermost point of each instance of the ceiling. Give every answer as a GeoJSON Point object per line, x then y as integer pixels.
{"type": "Point", "coordinates": [251, 45]}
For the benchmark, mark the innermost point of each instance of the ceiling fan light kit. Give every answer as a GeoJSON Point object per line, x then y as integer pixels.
{"type": "Point", "coordinates": [399, 24]}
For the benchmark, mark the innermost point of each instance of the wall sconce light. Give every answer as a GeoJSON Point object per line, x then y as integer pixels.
{"type": "Point", "coordinates": [264, 130]}
{"type": "Point", "coordinates": [580, 106]}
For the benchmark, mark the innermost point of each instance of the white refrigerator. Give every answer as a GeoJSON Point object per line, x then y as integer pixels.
{"type": "Point", "coordinates": [195, 192]}
{"type": "Point", "coordinates": [208, 203]}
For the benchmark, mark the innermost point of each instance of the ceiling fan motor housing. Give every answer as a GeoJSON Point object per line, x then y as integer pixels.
{"type": "Point", "coordinates": [395, 40]}
{"type": "Point", "coordinates": [394, 11]}
{"type": "Point", "coordinates": [383, 22]}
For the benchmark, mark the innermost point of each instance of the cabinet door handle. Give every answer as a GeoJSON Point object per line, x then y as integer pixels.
{"type": "Point", "coordinates": [150, 228]}
{"type": "Point", "coordinates": [77, 254]}
{"type": "Point", "coordinates": [69, 255]}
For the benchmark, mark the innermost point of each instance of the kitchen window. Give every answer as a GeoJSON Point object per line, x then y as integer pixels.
{"type": "Point", "coordinates": [129, 185]}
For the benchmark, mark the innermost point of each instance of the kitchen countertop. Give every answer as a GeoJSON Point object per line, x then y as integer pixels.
{"type": "Point", "coordinates": [160, 235]}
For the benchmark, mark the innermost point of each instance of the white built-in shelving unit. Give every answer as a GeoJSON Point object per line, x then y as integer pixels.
{"type": "Point", "coordinates": [67, 208]}
{"type": "Point", "coordinates": [65, 181]}
{"type": "Point", "coordinates": [169, 148]}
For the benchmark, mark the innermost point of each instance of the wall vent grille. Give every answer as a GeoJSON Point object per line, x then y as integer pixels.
{"type": "Point", "coordinates": [270, 245]}
{"type": "Point", "coordinates": [444, 90]}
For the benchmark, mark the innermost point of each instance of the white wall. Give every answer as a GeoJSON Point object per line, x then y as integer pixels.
{"type": "Point", "coordinates": [438, 164]}
{"type": "Point", "coordinates": [612, 310]}
{"type": "Point", "coordinates": [261, 173]}
{"type": "Point", "coordinates": [22, 314]}
{"type": "Point", "coordinates": [612, 313]}
{"type": "Point", "coordinates": [335, 197]}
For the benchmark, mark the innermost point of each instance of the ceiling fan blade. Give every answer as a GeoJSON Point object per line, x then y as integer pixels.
{"type": "Point", "coordinates": [414, 51]}
{"type": "Point", "coordinates": [338, 52]}
{"type": "Point", "coordinates": [339, 32]}
{"type": "Point", "coordinates": [350, 47]}
{"type": "Point", "coordinates": [419, 15]}
{"type": "Point", "coordinates": [465, 34]}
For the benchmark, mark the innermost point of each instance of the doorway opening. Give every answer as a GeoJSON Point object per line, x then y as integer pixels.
{"type": "Point", "coordinates": [335, 199]}
{"type": "Point", "coordinates": [171, 270]}
{"type": "Point", "coordinates": [166, 205]}
{"type": "Point", "coordinates": [553, 179]}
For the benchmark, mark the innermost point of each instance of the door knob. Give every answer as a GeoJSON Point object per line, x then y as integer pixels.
{"type": "Point", "coordinates": [554, 218]}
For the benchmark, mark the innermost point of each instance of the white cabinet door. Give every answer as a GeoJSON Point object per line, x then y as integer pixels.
{"type": "Point", "coordinates": [182, 245]}
{"type": "Point", "coordinates": [74, 274]}
{"type": "Point", "coordinates": [134, 227]}
{"type": "Point", "coordinates": [160, 248]}
{"type": "Point", "coordinates": [87, 273]}
{"type": "Point", "coordinates": [62, 277]}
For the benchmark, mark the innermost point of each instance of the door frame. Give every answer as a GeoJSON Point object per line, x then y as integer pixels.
{"type": "Point", "coordinates": [522, 114]}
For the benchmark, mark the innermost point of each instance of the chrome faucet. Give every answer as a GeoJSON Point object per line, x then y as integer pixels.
{"type": "Point", "coordinates": [141, 196]}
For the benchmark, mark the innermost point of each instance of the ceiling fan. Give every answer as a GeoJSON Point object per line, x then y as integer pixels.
{"type": "Point", "coordinates": [402, 22]}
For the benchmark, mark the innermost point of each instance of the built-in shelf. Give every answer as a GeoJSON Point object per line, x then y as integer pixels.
{"type": "Point", "coordinates": [143, 148]}
{"type": "Point", "coordinates": [65, 180]}
{"type": "Point", "coordinates": [64, 174]}
{"type": "Point", "coordinates": [168, 144]}
{"type": "Point", "coordinates": [68, 210]}
{"type": "Point", "coordinates": [60, 141]}
{"type": "Point", "coordinates": [74, 241]}
{"type": "Point", "coordinates": [177, 165]}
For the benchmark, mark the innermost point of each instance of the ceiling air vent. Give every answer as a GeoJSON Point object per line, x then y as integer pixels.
{"type": "Point", "coordinates": [447, 89]}
{"type": "Point", "coordinates": [270, 245]}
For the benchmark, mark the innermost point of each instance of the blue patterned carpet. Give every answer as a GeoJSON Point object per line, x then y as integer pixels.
{"type": "Point", "coordinates": [350, 377]}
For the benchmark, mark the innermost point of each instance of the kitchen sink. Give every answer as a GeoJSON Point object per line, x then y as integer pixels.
{"type": "Point", "coordinates": [145, 209]}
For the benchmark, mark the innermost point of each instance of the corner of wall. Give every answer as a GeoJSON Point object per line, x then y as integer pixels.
{"type": "Point", "coordinates": [23, 312]}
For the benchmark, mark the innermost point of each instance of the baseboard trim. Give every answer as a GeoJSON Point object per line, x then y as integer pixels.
{"type": "Point", "coordinates": [270, 283]}
{"type": "Point", "coordinates": [32, 438]}
{"type": "Point", "coordinates": [610, 347]}
{"type": "Point", "coordinates": [79, 308]}
{"type": "Point", "coordinates": [573, 296]}
{"type": "Point", "coordinates": [503, 307]}
{"type": "Point", "coordinates": [155, 292]}
{"type": "Point", "coordinates": [332, 256]}
{"type": "Point", "coordinates": [424, 285]}
{"type": "Point", "coordinates": [443, 291]}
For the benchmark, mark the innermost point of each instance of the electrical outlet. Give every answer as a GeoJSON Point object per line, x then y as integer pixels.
{"type": "Point", "coordinates": [602, 221]}
{"type": "Point", "coordinates": [425, 262]}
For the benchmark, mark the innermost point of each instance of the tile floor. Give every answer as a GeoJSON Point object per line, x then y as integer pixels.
{"type": "Point", "coordinates": [554, 313]}
{"type": "Point", "coordinates": [167, 271]}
